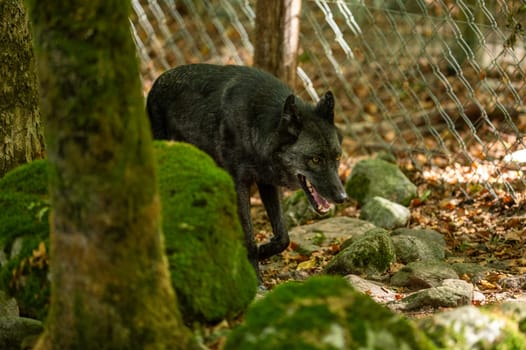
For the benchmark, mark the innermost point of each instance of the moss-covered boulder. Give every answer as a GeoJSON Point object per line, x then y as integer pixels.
{"type": "Point", "coordinates": [371, 253]}
{"type": "Point", "coordinates": [419, 245]}
{"type": "Point", "coordinates": [495, 327]}
{"type": "Point", "coordinates": [323, 313]}
{"type": "Point", "coordinates": [24, 238]}
{"type": "Point", "coordinates": [376, 177]}
{"type": "Point", "coordinates": [203, 237]}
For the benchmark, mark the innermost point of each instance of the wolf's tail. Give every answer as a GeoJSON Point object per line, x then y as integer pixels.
{"type": "Point", "coordinates": [156, 114]}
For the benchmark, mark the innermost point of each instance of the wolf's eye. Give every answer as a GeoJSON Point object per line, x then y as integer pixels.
{"type": "Point", "coordinates": [315, 160]}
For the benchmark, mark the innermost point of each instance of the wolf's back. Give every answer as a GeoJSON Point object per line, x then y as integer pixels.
{"type": "Point", "coordinates": [189, 102]}
{"type": "Point", "coordinates": [184, 92]}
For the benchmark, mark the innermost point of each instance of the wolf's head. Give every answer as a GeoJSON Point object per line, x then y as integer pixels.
{"type": "Point", "coordinates": [312, 152]}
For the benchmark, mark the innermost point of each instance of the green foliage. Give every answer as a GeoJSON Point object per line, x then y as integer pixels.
{"type": "Point", "coordinates": [323, 313]}
{"type": "Point", "coordinates": [203, 238]}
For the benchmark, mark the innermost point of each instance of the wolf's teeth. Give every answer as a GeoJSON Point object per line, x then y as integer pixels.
{"type": "Point", "coordinates": [309, 185]}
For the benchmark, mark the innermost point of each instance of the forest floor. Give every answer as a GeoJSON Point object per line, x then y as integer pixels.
{"type": "Point", "coordinates": [482, 226]}
{"type": "Point", "coordinates": [479, 227]}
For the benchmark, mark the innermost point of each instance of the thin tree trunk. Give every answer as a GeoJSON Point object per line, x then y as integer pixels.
{"type": "Point", "coordinates": [110, 280]}
{"type": "Point", "coordinates": [277, 37]}
{"type": "Point", "coordinates": [20, 136]}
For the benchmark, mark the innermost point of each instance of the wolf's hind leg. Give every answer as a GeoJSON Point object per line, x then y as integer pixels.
{"type": "Point", "coordinates": [280, 241]}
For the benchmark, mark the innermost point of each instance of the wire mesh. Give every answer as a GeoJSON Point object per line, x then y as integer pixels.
{"type": "Point", "coordinates": [440, 83]}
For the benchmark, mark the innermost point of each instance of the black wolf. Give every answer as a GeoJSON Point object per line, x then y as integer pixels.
{"type": "Point", "coordinates": [253, 126]}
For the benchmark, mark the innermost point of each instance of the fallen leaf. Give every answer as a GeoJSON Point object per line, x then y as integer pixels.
{"type": "Point", "coordinates": [485, 285]}
{"type": "Point", "coordinates": [307, 264]}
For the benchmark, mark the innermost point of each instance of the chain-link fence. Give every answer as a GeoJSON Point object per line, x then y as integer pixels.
{"type": "Point", "coordinates": [439, 83]}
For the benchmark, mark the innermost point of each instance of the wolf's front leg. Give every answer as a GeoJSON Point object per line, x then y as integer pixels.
{"type": "Point", "coordinates": [243, 207]}
{"type": "Point", "coordinates": [280, 241]}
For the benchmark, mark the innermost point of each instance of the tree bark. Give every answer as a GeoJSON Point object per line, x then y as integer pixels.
{"type": "Point", "coordinates": [110, 280]}
{"type": "Point", "coordinates": [20, 134]}
{"type": "Point", "coordinates": [277, 37]}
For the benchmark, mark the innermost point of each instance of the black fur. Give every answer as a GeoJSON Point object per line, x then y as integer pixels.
{"type": "Point", "coordinates": [254, 127]}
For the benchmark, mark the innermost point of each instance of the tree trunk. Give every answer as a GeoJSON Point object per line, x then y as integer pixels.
{"type": "Point", "coordinates": [20, 135]}
{"type": "Point", "coordinates": [110, 280]}
{"type": "Point", "coordinates": [277, 37]}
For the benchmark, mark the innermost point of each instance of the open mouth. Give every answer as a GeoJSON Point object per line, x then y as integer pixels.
{"type": "Point", "coordinates": [320, 204]}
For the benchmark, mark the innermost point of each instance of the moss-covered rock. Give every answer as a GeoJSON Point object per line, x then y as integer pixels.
{"type": "Point", "coordinates": [419, 245]}
{"type": "Point", "coordinates": [496, 327]}
{"type": "Point", "coordinates": [323, 313]}
{"type": "Point", "coordinates": [203, 237]}
{"type": "Point", "coordinates": [24, 219]}
{"type": "Point", "coordinates": [371, 253]}
{"type": "Point", "coordinates": [376, 177]}
{"type": "Point", "coordinates": [29, 178]}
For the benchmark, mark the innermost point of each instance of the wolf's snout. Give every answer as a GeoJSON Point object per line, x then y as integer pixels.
{"type": "Point", "coordinates": [341, 197]}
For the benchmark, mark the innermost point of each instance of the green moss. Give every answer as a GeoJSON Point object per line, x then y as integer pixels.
{"type": "Point", "coordinates": [20, 215]}
{"type": "Point", "coordinates": [358, 187]}
{"type": "Point", "coordinates": [203, 237]}
{"type": "Point", "coordinates": [468, 327]}
{"type": "Point", "coordinates": [24, 215]}
{"type": "Point", "coordinates": [204, 241]}
{"type": "Point", "coordinates": [25, 277]}
{"type": "Point", "coordinates": [371, 253]}
{"type": "Point", "coordinates": [323, 313]}
{"type": "Point", "coordinates": [30, 178]}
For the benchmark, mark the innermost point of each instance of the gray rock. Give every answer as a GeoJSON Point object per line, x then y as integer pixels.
{"type": "Point", "coordinates": [376, 177]}
{"type": "Point", "coordinates": [514, 282]}
{"type": "Point", "coordinates": [415, 245]}
{"type": "Point", "coordinates": [384, 213]}
{"type": "Point", "coordinates": [452, 293]}
{"type": "Point", "coordinates": [469, 327]}
{"type": "Point", "coordinates": [376, 290]}
{"type": "Point", "coordinates": [423, 274]}
{"type": "Point", "coordinates": [371, 253]}
{"type": "Point", "coordinates": [298, 211]}
{"type": "Point", "coordinates": [15, 330]}
{"type": "Point", "coordinates": [311, 237]}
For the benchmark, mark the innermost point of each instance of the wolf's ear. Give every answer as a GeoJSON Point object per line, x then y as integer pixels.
{"type": "Point", "coordinates": [290, 119]}
{"type": "Point", "coordinates": [325, 107]}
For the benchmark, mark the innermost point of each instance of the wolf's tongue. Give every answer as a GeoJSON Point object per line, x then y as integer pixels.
{"type": "Point", "coordinates": [322, 205]}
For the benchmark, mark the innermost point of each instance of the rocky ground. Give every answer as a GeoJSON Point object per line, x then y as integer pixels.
{"type": "Point", "coordinates": [483, 237]}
